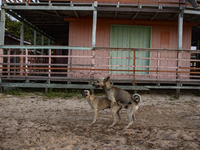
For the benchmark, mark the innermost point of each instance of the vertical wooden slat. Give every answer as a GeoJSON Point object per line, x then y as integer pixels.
{"type": "Point", "coordinates": [1, 61]}
{"type": "Point", "coordinates": [15, 61]}
{"type": "Point", "coordinates": [158, 64]}
{"type": "Point", "coordinates": [42, 44]}
{"type": "Point", "coordinates": [70, 62]}
{"type": "Point", "coordinates": [49, 74]}
{"type": "Point", "coordinates": [8, 61]}
{"type": "Point", "coordinates": [92, 63]}
{"type": "Point", "coordinates": [21, 61]}
{"type": "Point", "coordinates": [26, 66]}
{"type": "Point", "coordinates": [35, 40]}
{"type": "Point", "coordinates": [134, 68]}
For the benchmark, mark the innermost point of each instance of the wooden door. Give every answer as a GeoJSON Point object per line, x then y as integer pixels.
{"type": "Point", "coordinates": [129, 37]}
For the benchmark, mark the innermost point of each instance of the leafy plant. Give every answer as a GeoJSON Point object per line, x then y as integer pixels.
{"type": "Point", "coordinates": [16, 91]}
{"type": "Point", "coordinates": [67, 93]}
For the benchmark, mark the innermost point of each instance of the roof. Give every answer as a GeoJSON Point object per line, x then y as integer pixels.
{"type": "Point", "coordinates": [51, 18]}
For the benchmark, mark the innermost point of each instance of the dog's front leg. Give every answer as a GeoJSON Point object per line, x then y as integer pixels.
{"type": "Point", "coordinates": [95, 116]}
{"type": "Point", "coordinates": [112, 99]}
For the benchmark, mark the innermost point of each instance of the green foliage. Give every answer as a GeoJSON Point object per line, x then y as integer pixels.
{"type": "Point", "coordinates": [68, 93]}
{"type": "Point", "coordinates": [16, 91]}
{"type": "Point", "coordinates": [14, 26]}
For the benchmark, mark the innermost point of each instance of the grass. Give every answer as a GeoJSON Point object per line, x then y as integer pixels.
{"type": "Point", "coordinates": [16, 91]}
{"type": "Point", "coordinates": [66, 94]}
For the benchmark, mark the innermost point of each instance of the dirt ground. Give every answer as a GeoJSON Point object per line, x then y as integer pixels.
{"type": "Point", "coordinates": [31, 122]}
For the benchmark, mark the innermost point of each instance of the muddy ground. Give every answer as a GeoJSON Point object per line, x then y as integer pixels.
{"type": "Point", "coordinates": [29, 121]}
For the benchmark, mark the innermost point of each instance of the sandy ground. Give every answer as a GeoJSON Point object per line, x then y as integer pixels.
{"type": "Point", "coordinates": [163, 122]}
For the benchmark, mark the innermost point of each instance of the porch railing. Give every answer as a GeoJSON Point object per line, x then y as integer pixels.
{"type": "Point", "coordinates": [85, 64]}
{"type": "Point", "coordinates": [133, 2]}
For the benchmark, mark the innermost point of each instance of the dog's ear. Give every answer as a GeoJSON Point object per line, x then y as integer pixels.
{"type": "Point", "coordinates": [106, 79]}
{"type": "Point", "coordinates": [91, 92]}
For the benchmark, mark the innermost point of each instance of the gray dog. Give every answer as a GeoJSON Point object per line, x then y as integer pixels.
{"type": "Point", "coordinates": [120, 96]}
{"type": "Point", "coordinates": [101, 103]}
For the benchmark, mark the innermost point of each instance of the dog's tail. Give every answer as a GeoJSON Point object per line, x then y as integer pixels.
{"type": "Point", "coordinates": [136, 98]}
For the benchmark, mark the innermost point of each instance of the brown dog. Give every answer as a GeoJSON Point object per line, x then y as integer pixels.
{"type": "Point", "coordinates": [120, 96]}
{"type": "Point", "coordinates": [101, 103]}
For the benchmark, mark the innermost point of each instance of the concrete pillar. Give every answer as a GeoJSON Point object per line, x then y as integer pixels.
{"type": "Point", "coordinates": [179, 46]}
{"type": "Point", "coordinates": [94, 28]}
{"type": "Point", "coordinates": [180, 31]}
{"type": "Point", "coordinates": [2, 39]}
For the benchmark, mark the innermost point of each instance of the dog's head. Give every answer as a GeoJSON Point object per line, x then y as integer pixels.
{"type": "Point", "coordinates": [101, 82]}
{"type": "Point", "coordinates": [86, 93]}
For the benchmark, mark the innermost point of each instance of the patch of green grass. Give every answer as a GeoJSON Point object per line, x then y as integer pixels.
{"type": "Point", "coordinates": [198, 94]}
{"type": "Point", "coordinates": [16, 91]}
{"type": "Point", "coordinates": [66, 94]}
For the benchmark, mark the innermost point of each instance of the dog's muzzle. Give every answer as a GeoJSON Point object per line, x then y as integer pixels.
{"type": "Point", "coordinates": [95, 85]}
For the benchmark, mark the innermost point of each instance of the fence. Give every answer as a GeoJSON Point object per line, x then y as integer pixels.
{"type": "Point", "coordinates": [85, 64]}
{"type": "Point", "coordinates": [128, 2]}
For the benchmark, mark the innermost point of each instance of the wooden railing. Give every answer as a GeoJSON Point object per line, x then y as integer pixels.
{"type": "Point", "coordinates": [165, 66]}
{"type": "Point", "coordinates": [134, 2]}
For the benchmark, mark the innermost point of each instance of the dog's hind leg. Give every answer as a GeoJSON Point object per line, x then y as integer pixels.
{"type": "Point", "coordinates": [133, 117]}
{"type": "Point", "coordinates": [130, 115]}
{"type": "Point", "coordinates": [115, 112]}
{"type": "Point", "coordinates": [120, 119]}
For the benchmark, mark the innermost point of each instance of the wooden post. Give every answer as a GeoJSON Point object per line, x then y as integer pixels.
{"type": "Point", "coordinates": [134, 68]}
{"type": "Point", "coordinates": [70, 64]}
{"type": "Point", "coordinates": [49, 74]}
{"type": "Point", "coordinates": [157, 68]}
{"type": "Point", "coordinates": [180, 43]}
{"type": "Point", "coordinates": [8, 61]}
{"type": "Point", "coordinates": [22, 43]}
{"type": "Point", "coordinates": [92, 63]}
{"type": "Point", "coordinates": [26, 62]}
{"type": "Point", "coordinates": [35, 40]}
{"type": "Point", "coordinates": [21, 63]}
{"type": "Point", "coordinates": [2, 37]}
{"type": "Point", "coordinates": [1, 61]}
{"type": "Point", "coordinates": [42, 44]}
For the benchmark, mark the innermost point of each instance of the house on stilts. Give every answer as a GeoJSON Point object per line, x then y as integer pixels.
{"type": "Point", "coordinates": [140, 44]}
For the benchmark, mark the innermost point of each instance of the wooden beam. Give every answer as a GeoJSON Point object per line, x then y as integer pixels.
{"type": "Point", "coordinates": [129, 9]}
{"type": "Point", "coordinates": [83, 8]}
{"type": "Point", "coordinates": [193, 12]}
{"type": "Point", "coordinates": [173, 16]}
{"type": "Point", "coordinates": [136, 22]}
{"type": "Point", "coordinates": [27, 23]}
{"type": "Point", "coordinates": [57, 13]}
{"type": "Point", "coordinates": [115, 15]}
{"type": "Point", "coordinates": [154, 16]}
{"type": "Point", "coordinates": [192, 18]}
{"type": "Point", "coordinates": [44, 47]}
{"type": "Point", "coordinates": [90, 69]}
{"type": "Point", "coordinates": [135, 15]}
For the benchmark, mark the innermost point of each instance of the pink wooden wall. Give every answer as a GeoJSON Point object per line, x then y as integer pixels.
{"type": "Point", "coordinates": [164, 35]}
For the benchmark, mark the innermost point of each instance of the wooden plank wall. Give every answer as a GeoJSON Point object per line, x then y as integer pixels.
{"type": "Point", "coordinates": [163, 36]}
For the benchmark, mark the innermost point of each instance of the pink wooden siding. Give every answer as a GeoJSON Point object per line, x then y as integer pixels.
{"type": "Point", "coordinates": [164, 35]}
